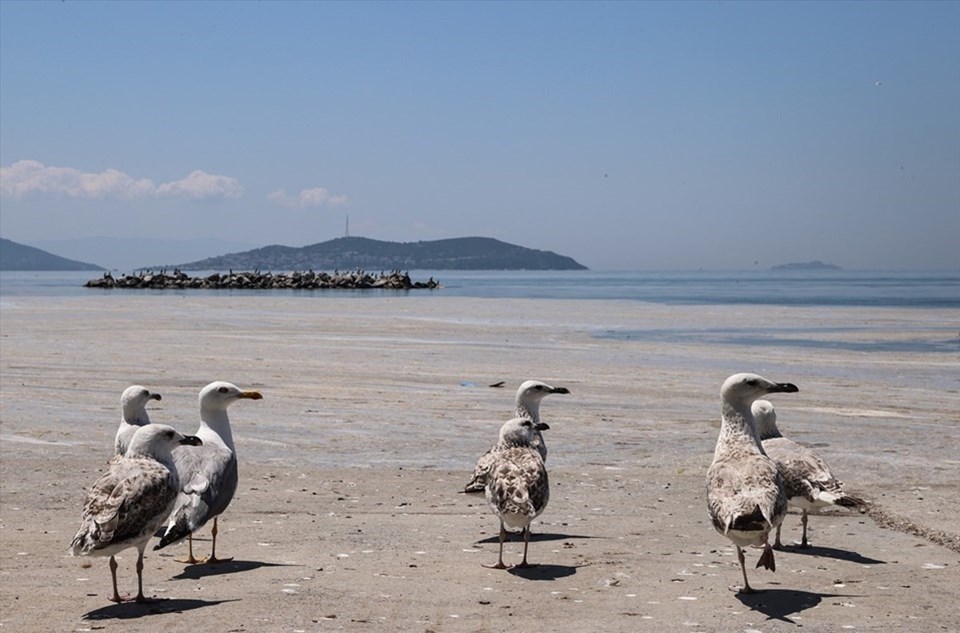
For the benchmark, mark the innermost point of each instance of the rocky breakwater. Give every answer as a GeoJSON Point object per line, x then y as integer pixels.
{"type": "Point", "coordinates": [296, 280]}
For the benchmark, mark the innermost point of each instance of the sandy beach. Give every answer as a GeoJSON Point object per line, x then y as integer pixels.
{"type": "Point", "coordinates": [348, 517]}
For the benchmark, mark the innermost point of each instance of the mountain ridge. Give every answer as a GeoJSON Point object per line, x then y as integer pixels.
{"type": "Point", "coordinates": [461, 253]}
{"type": "Point", "coordinates": [17, 256]}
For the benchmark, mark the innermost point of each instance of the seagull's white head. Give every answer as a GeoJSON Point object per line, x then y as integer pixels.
{"type": "Point", "coordinates": [158, 440]}
{"type": "Point", "coordinates": [520, 431]}
{"type": "Point", "coordinates": [219, 395]}
{"type": "Point", "coordinates": [743, 389]}
{"type": "Point", "coordinates": [533, 391]}
{"type": "Point", "coordinates": [766, 418]}
{"type": "Point", "coordinates": [133, 402]}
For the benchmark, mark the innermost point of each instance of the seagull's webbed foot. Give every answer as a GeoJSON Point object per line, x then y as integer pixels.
{"type": "Point", "coordinates": [213, 560]}
{"type": "Point", "coordinates": [766, 559]}
{"type": "Point", "coordinates": [142, 599]}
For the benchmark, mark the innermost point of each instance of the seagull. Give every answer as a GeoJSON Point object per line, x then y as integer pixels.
{"type": "Point", "coordinates": [133, 402]}
{"type": "Point", "coordinates": [807, 479]}
{"type": "Point", "coordinates": [517, 487]}
{"type": "Point", "coordinates": [745, 494]}
{"type": "Point", "coordinates": [131, 500]}
{"type": "Point", "coordinates": [209, 475]}
{"type": "Point", "coordinates": [528, 400]}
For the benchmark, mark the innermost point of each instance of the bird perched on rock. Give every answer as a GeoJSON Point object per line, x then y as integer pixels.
{"type": "Point", "coordinates": [528, 400]}
{"type": "Point", "coordinates": [517, 488]}
{"type": "Point", "coordinates": [807, 479]}
{"type": "Point", "coordinates": [209, 474]}
{"type": "Point", "coordinates": [131, 500]}
{"type": "Point", "coordinates": [745, 494]}
{"type": "Point", "coordinates": [133, 405]}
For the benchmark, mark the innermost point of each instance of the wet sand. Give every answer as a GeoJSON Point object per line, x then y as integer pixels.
{"type": "Point", "coordinates": [348, 518]}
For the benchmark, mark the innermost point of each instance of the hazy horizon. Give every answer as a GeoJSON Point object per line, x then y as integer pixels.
{"type": "Point", "coordinates": [629, 136]}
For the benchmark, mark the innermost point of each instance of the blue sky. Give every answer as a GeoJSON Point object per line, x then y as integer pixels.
{"type": "Point", "coordinates": [626, 135]}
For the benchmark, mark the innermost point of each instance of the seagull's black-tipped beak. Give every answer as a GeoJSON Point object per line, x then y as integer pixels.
{"type": "Point", "coordinates": [191, 440]}
{"type": "Point", "coordinates": [784, 387]}
{"type": "Point", "coordinates": [541, 426]}
{"type": "Point", "coordinates": [155, 396]}
{"type": "Point", "coordinates": [560, 390]}
{"type": "Point", "coordinates": [250, 395]}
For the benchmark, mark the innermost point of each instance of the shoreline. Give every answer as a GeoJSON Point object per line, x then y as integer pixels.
{"type": "Point", "coordinates": [370, 425]}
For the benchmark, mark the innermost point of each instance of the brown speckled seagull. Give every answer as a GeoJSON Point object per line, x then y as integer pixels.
{"type": "Point", "coordinates": [807, 479]}
{"type": "Point", "coordinates": [528, 398]}
{"type": "Point", "coordinates": [745, 494]}
{"type": "Point", "coordinates": [517, 487]}
{"type": "Point", "coordinates": [131, 500]}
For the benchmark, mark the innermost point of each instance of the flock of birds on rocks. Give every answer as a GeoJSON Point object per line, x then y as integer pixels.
{"type": "Point", "coordinates": [256, 280]}
{"type": "Point", "coordinates": [162, 479]}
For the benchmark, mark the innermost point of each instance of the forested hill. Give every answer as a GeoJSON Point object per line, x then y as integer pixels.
{"type": "Point", "coordinates": [464, 253]}
{"type": "Point", "coordinates": [16, 256]}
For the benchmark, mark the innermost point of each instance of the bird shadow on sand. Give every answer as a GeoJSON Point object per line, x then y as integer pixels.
{"type": "Point", "coordinates": [535, 537]}
{"type": "Point", "coordinates": [202, 570]}
{"type": "Point", "coordinates": [832, 552]}
{"type": "Point", "coordinates": [543, 572]}
{"type": "Point", "coordinates": [133, 610]}
{"type": "Point", "coordinates": [779, 604]}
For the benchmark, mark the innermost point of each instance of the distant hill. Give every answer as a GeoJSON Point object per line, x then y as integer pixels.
{"type": "Point", "coordinates": [464, 253]}
{"type": "Point", "coordinates": [15, 256]}
{"type": "Point", "coordinates": [814, 265]}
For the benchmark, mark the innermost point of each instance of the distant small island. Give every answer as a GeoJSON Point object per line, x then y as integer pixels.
{"type": "Point", "coordinates": [814, 265]}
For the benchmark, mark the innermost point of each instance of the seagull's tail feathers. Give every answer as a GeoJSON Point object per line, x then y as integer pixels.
{"type": "Point", "coordinates": [93, 535]}
{"type": "Point", "coordinates": [477, 484]}
{"type": "Point", "coordinates": [851, 501]}
{"type": "Point", "coordinates": [183, 521]}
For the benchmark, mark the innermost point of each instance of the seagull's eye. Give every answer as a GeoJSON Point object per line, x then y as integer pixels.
{"type": "Point", "coordinates": [752, 382]}
{"type": "Point", "coordinates": [223, 390]}
{"type": "Point", "coordinates": [169, 434]}
{"type": "Point", "coordinates": [526, 423]}
{"type": "Point", "coordinates": [145, 393]}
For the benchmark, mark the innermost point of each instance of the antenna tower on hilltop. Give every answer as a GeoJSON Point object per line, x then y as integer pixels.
{"type": "Point", "coordinates": [346, 233]}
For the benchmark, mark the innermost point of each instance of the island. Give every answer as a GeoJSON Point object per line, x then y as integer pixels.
{"type": "Point", "coordinates": [352, 253]}
{"type": "Point", "coordinates": [814, 265]}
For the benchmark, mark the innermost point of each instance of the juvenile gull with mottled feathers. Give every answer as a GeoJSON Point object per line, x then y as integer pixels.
{"type": "Point", "coordinates": [528, 398]}
{"type": "Point", "coordinates": [131, 500]}
{"type": "Point", "coordinates": [517, 487]}
{"type": "Point", "coordinates": [745, 495]}
{"type": "Point", "coordinates": [807, 479]}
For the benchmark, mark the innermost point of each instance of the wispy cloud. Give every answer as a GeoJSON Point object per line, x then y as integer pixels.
{"type": "Point", "coordinates": [316, 197]}
{"type": "Point", "coordinates": [29, 177]}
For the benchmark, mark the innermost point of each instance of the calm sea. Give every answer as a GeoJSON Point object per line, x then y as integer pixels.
{"type": "Point", "coordinates": [934, 289]}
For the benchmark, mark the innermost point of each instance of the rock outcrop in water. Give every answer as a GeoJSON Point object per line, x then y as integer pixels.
{"type": "Point", "coordinates": [296, 280]}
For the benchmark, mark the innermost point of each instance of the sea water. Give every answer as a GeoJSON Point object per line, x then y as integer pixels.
{"type": "Point", "coordinates": [924, 290]}
{"type": "Point", "coordinates": [904, 289]}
